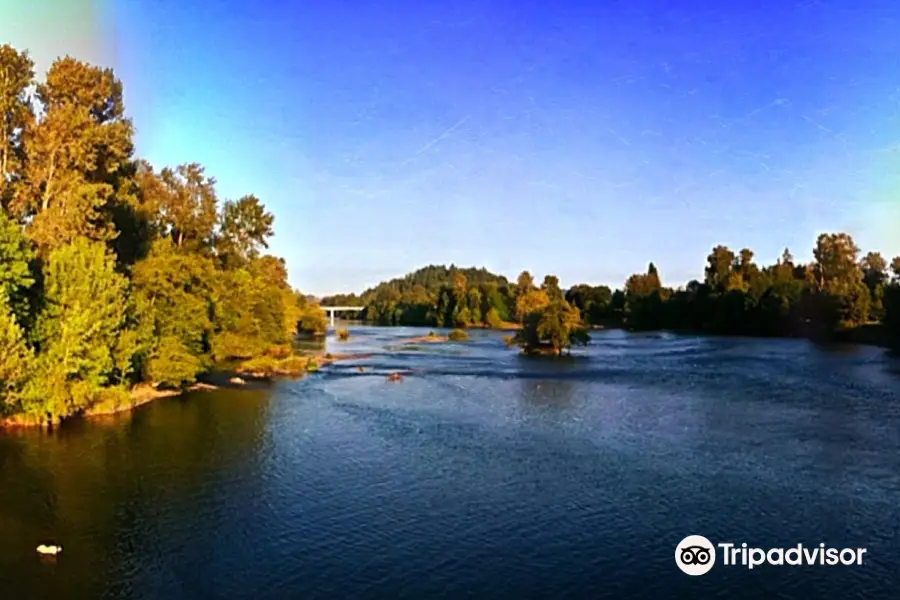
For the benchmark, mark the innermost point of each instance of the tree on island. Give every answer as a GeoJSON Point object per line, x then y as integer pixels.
{"type": "Point", "coordinates": [552, 329]}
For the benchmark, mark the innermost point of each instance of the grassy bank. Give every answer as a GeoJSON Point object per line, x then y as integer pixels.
{"type": "Point", "coordinates": [233, 376]}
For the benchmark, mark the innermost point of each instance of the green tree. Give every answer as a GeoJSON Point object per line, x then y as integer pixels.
{"type": "Point", "coordinates": [16, 117]}
{"type": "Point", "coordinates": [473, 303]}
{"type": "Point", "coordinates": [719, 267]}
{"type": "Point", "coordinates": [529, 302]}
{"type": "Point", "coordinates": [841, 298]}
{"type": "Point", "coordinates": [312, 319]}
{"type": "Point", "coordinates": [594, 303]}
{"type": "Point", "coordinates": [551, 329]}
{"type": "Point", "coordinates": [172, 291]}
{"type": "Point", "coordinates": [551, 287]}
{"type": "Point", "coordinates": [524, 284]}
{"type": "Point", "coordinates": [875, 276]}
{"type": "Point", "coordinates": [78, 329]}
{"type": "Point", "coordinates": [16, 277]}
{"type": "Point", "coordinates": [16, 359]}
{"type": "Point", "coordinates": [189, 206]}
{"type": "Point", "coordinates": [245, 228]}
{"type": "Point", "coordinates": [76, 152]}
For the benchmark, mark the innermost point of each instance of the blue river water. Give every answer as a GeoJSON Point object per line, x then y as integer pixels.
{"type": "Point", "coordinates": [482, 474]}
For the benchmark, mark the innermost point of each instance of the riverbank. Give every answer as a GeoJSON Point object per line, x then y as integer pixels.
{"type": "Point", "coordinates": [142, 394]}
{"type": "Point", "coordinates": [873, 334]}
{"type": "Point", "coordinates": [262, 369]}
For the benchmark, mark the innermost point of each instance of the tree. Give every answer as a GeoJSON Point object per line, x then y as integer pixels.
{"type": "Point", "coordinates": [312, 318]}
{"type": "Point", "coordinates": [473, 303]}
{"type": "Point", "coordinates": [493, 319]}
{"type": "Point", "coordinates": [719, 267]}
{"type": "Point", "coordinates": [841, 298]}
{"type": "Point", "coordinates": [551, 287]}
{"type": "Point", "coordinates": [594, 303]}
{"type": "Point", "coordinates": [524, 284]}
{"type": "Point", "coordinates": [835, 260]}
{"type": "Point", "coordinates": [78, 329]}
{"type": "Point", "coordinates": [245, 228]}
{"type": "Point", "coordinates": [76, 152]}
{"type": "Point", "coordinates": [16, 358]}
{"type": "Point", "coordinates": [875, 276]}
{"type": "Point", "coordinates": [16, 276]}
{"type": "Point", "coordinates": [188, 207]}
{"type": "Point", "coordinates": [494, 305]}
{"type": "Point", "coordinates": [551, 329]}
{"type": "Point", "coordinates": [172, 291]}
{"type": "Point", "coordinates": [16, 117]}
{"type": "Point", "coordinates": [529, 302]}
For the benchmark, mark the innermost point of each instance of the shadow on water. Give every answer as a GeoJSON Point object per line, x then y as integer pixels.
{"type": "Point", "coordinates": [107, 489]}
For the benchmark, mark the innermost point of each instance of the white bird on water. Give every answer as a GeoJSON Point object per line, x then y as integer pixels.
{"type": "Point", "coordinates": [52, 549]}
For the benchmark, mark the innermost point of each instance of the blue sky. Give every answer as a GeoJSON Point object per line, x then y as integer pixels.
{"type": "Point", "coordinates": [579, 138]}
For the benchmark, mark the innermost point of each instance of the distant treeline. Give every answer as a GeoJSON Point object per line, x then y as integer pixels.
{"type": "Point", "coordinates": [113, 273]}
{"type": "Point", "coordinates": [836, 292]}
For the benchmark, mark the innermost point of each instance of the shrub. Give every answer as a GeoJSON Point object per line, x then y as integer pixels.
{"type": "Point", "coordinates": [111, 400]}
{"type": "Point", "coordinates": [278, 351]}
{"type": "Point", "coordinates": [171, 364]}
{"type": "Point", "coordinates": [458, 335]}
{"type": "Point", "coordinates": [343, 335]}
{"type": "Point", "coordinates": [262, 365]}
{"type": "Point", "coordinates": [294, 364]}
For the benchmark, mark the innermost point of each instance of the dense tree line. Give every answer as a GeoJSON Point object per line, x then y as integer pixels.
{"type": "Point", "coordinates": [835, 293]}
{"type": "Point", "coordinates": [111, 272]}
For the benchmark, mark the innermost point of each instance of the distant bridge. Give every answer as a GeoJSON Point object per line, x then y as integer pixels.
{"type": "Point", "coordinates": [331, 310]}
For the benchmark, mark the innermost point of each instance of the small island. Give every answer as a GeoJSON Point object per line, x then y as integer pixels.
{"type": "Point", "coordinates": [431, 338]}
{"type": "Point", "coordinates": [457, 335]}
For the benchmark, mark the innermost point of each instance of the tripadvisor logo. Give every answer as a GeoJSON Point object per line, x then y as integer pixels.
{"type": "Point", "coordinates": [696, 555]}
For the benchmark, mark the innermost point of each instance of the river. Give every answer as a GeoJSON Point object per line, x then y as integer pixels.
{"type": "Point", "coordinates": [482, 474]}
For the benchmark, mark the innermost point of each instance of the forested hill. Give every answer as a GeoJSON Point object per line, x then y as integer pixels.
{"type": "Point", "coordinates": [435, 295]}
{"type": "Point", "coordinates": [429, 279]}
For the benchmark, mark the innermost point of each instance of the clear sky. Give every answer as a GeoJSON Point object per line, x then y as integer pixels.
{"type": "Point", "coordinates": [579, 138]}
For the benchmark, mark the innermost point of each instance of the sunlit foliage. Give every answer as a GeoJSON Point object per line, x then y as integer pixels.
{"type": "Point", "coordinates": [113, 273]}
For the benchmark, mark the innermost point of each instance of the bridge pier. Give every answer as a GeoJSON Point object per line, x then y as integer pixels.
{"type": "Point", "coordinates": [331, 311]}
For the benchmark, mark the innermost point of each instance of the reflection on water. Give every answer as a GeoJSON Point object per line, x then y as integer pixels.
{"type": "Point", "coordinates": [482, 473]}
